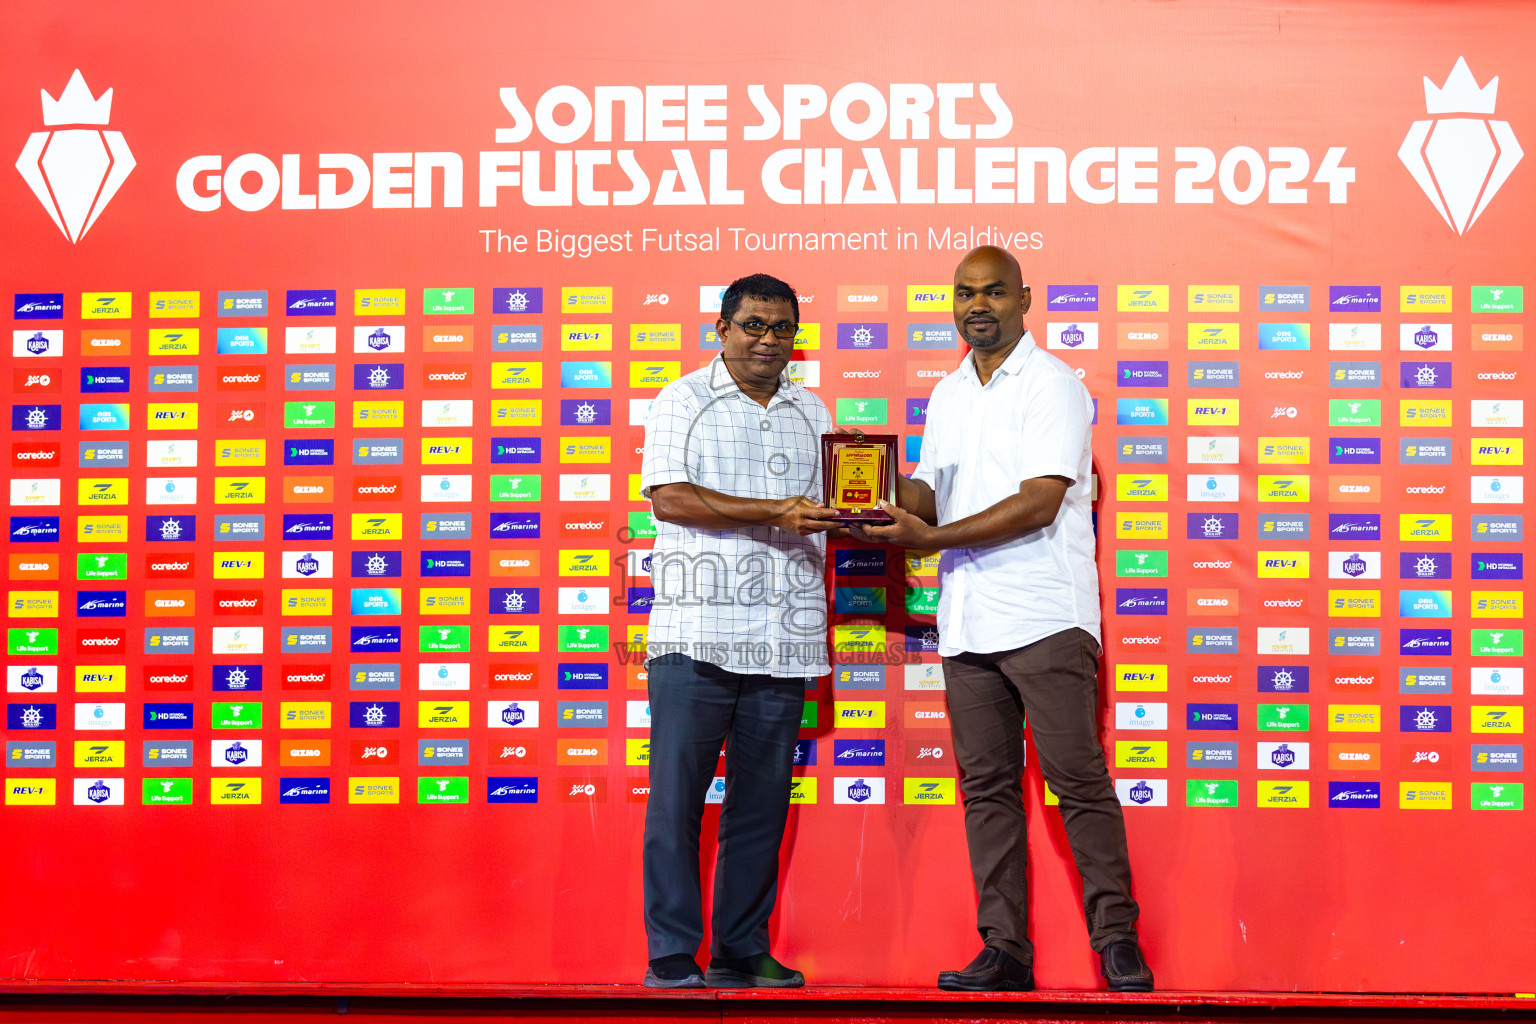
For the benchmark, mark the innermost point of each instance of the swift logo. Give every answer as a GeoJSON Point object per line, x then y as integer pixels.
{"type": "Point", "coordinates": [1460, 162]}
{"type": "Point", "coordinates": [75, 172]}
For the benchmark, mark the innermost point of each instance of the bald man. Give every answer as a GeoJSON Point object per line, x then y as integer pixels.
{"type": "Point", "coordinates": [1003, 489]}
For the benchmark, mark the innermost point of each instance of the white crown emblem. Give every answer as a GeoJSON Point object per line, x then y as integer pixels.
{"type": "Point", "coordinates": [75, 172]}
{"type": "Point", "coordinates": [1460, 162]}
{"type": "Point", "coordinates": [1459, 95]}
{"type": "Point", "coordinates": [76, 105]}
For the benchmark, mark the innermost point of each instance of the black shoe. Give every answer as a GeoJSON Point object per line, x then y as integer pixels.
{"type": "Point", "coordinates": [761, 971]}
{"type": "Point", "coordinates": [992, 971]}
{"type": "Point", "coordinates": [676, 971]}
{"type": "Point", "coordinates": [1124, 967]}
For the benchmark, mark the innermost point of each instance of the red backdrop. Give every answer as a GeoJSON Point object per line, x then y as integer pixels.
{"type": "Point", "coordinates": [1246, 897]}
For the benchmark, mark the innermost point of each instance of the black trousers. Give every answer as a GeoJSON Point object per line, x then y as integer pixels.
{"type": "Point", "coordinates": [1054, 682]}
{"type": "Point", "coordinates": [695, 707]}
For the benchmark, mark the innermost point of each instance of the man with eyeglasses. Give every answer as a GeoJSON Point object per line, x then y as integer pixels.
{"type": "Point", "coordinates": [1003, 487]}
{"type": "Point", "coordinates": [737, 632]}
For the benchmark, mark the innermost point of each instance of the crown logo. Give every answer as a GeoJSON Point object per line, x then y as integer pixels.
{"type": "Point", "coordinates": [76, 105]}
{"type": "Point", "coordinates": [1459, 94]}
{"type": "Point", "coordinates": [1460, 162]}
{"type": "Point", "coordinates": [75, 172]}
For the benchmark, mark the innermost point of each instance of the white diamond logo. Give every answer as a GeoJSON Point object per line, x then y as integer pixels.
{"type": "Point", "coordinates": [75, 171]}
{"type": "Point", "coordinates": [1460, 162]}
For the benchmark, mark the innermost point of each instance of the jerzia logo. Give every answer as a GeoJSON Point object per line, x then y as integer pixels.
{"type": "Point", "coordinates": [1460, 162]}
{"type": "Point", "coordinates": [75, 172]}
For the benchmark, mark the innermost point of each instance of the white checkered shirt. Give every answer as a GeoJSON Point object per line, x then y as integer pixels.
{"type": "Point", "coordinates": [751, 599]}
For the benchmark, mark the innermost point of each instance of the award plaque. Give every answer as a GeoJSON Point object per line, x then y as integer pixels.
{"type": "Point", "coordinates": [858, 470]}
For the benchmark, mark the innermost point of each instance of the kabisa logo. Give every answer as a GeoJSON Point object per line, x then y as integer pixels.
{"type": "Point", "coordinates": [75, 172]}
{"type": "Point", "coordinates": [1460, 162]}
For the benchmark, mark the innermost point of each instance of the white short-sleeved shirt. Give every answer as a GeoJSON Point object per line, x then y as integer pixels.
{"type": "Point", "coordinates": [752, 599]}
{"type": "Point", "coordinates": [1033, 418]}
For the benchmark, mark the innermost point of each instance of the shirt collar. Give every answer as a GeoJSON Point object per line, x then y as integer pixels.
{"type": "Point", "coordinates": [721, 382]}
{"type": "Point", "coordinates": [1013, 365]}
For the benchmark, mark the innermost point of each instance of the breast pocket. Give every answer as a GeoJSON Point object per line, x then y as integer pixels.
{"type": "Point", "coordinates": [793, 466]}
{"type": "Point", "coordinates": [784, 450]}
{"type": "Point", "coordinates": [944, 459]}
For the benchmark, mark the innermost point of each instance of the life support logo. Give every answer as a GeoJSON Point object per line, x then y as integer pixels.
{"type": "Point", "coordinates": [75, 171]}
{"type": "Point", "coordinates": [1460, 162]}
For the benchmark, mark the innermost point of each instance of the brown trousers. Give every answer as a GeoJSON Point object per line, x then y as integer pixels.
{"type": "Point", "coordinates": [1054, 682]}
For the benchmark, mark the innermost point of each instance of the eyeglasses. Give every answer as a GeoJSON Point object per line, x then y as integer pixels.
{"type": "Point", "coordinates": [756, 329]}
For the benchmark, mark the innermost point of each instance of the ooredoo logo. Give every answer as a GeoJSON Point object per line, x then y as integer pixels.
{"type": "Point", "coordinates": [1460, 162]}
{"type": "Point", "coordinates": [75, 171]}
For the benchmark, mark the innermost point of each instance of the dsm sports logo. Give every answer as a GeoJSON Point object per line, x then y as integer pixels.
{"type": "Point", "coordinates": [75, 170]}
{"type": "Point", "coordinates": [1460, 161]}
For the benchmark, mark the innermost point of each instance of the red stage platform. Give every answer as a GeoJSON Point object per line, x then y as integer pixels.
{"type": "Point", "coordinates": [292, 1004]}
